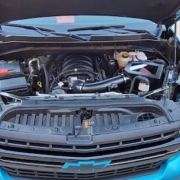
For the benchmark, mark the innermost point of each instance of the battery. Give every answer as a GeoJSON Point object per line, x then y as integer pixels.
{"type": "Point", "coordinates": [12, 79]}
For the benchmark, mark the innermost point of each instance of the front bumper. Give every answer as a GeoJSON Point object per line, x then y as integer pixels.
{"type": "Point", "coordinates": [169, 171]}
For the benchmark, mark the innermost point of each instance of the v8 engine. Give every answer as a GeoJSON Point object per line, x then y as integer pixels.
{"type": "Point", "coordinates": [121, 72]}
{"type": "Point", "coordinates": [75, 69]}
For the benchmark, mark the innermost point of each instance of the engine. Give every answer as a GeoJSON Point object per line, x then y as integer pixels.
{"type": "Point", "coordinates": [82, 74]}
{"type": "Point", "coordinates": [123, 72]}
{"type": "Point", "coordinates": [75, 69]}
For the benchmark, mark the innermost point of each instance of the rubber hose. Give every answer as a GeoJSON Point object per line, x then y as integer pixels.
{"type": "Point", "coordinates": [101, 86]}
{"type": "Point", "coordinates": [46, 79]}
{"type": "Point", "coordinates": [134, 80]}
{"type": "Point", "coordinates": [103, 74]}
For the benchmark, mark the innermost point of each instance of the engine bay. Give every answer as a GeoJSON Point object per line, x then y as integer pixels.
{"type": "Point", "coordinates": [125, 72]}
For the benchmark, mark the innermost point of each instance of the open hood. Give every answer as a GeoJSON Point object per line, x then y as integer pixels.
{"type": "Point", "coordinates": [154, 10]}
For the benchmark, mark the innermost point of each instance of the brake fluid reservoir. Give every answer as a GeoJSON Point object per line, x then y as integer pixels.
{"type": "Point", "coordinates": [122, 58]}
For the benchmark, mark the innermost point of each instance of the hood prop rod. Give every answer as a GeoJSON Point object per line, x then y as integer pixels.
{"type": "Point", "coordinates": [175, 42]}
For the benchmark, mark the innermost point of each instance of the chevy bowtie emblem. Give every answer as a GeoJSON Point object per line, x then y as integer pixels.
{"type": "Point", "coordinates": [83, 166]}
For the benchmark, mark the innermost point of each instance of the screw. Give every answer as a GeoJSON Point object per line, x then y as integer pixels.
{"type": "Point", "coordinates": [115, 127]}
{"type": "Point", "coordinates": [32, 129]}
{"type": "Point", "coordinates": [55, 129]}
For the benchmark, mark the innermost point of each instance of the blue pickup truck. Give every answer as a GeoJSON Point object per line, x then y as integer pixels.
{"type": "Point", "coordinates": [89, 90]}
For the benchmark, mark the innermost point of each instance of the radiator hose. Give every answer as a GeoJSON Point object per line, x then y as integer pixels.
{"type": "Point", "coordinates": [101, 86]}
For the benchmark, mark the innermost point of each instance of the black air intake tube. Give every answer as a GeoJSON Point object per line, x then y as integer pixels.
{"type": "Point", "coordinates": [101, 86]}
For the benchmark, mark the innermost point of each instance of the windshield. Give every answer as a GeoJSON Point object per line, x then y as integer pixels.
{"type": "Point", "coordinates": [62, 23]}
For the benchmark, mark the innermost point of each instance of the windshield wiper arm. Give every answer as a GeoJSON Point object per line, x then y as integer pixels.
{"type": "Point", "coordinates": [141, 31]}
{"type": "Point", "coordinates": [50, 31]}
{"type": "Point", "coordinates": [95, 28]}
{"type": "Point", "coordinates": [160, 27]}
{"type": "Point", "coordinates": [122, 27]}
{"type": "Point", "coordinates": [75, 36]}
{"type": "Point", "coordinates": [38, 29]}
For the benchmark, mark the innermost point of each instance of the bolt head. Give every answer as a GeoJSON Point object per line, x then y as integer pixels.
{"type": "Point", "coordinates": [32, 129]}
{"type": "Point", "coordinates": [55, 129]}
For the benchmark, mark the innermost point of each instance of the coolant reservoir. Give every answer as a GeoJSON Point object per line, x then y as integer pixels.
{"type": "Point", "coordinates": [138, 56]}
{"type": "Point", "coordinates": [122, 58]}
{"type": "Point", "coordinates": [141, 56]}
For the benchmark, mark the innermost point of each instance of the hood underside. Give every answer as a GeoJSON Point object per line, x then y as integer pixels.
{"type": "Point", "coordinates": [154, 10]}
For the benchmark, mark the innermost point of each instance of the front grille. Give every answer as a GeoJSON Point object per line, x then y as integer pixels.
{"type": "Point", "coordinates": [59, 164]}
{"type": "Point", "coordinates": [55, 122]}
{"type": "Point", "coordinates": [90, 154]}
{"type": "Point", "coordinates": [57, 175]}
{"type": "Point", "coordinates": [123, 144]}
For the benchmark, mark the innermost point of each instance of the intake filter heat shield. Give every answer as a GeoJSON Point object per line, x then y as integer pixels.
{"type": "Point", "coordinates": [152, 71]}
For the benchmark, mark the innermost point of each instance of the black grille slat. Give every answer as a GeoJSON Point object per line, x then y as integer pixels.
{"type": "Point", "coordinates": [170, 133]}
{"type": "Point", "coordinates": [17, 142]}
{"type": "Point", "coordinates": [61, 147]}
{"type": "Point", "coordinates": [138, 157]}
{"type": "Point", "coordinates": [152, 137]}
{"type": "Point", "coordinates": [32, 162]}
